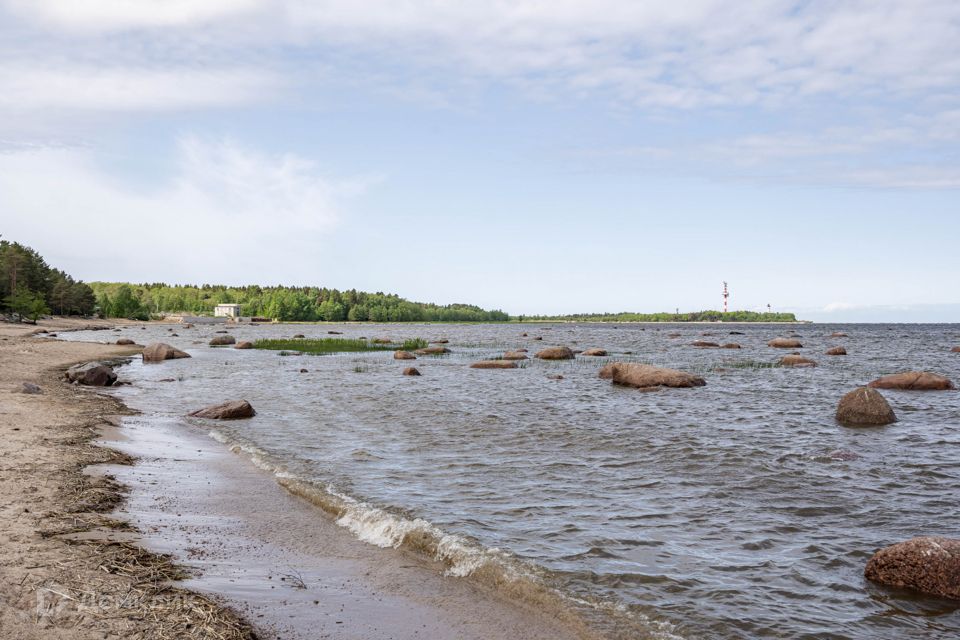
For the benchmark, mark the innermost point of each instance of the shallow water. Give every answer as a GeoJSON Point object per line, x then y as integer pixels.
{"type": "Point", "coordinates": [723, 511]}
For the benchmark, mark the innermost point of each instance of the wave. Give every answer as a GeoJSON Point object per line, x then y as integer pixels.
{"type": "Point", "coordinates": [460, 557]}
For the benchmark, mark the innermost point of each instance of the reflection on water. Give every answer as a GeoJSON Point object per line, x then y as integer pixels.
{"type": "Point", "coordinates": [739, 509]}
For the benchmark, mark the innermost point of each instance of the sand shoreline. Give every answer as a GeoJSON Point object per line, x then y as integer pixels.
{"type": "Point", "coordinates": [54, 559]}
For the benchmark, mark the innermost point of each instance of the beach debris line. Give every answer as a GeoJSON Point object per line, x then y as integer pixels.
{"type": "Point", "coordinates": [231, 410]}
{"type": "Point", "coordinates": [159, 351]}
{"type": "Point", "coordinates": [643, 376]}
{"type": "Point", "coordinates": [927, 564]}
{"type": "Point", "coordinates": [913, 381]}
{"type": "Point", "coordinates": [93, 374]}
{"type": "Point", "coordinates": [864, 407]}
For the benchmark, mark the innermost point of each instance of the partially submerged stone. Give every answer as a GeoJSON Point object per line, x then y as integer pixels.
{"type": "Point", "coordinates": [232, 410]}
{"type": "Point", "coordinates": [927, 564]}
{"type": "Point", "coordinates": [403, 355]}
{"type": "Point", "coordinates": [244, 344]}
{"type": "Point", "coordinates": [641, 376]}
{"type": "Point", "coordinates": [785, 343]}
{"type": "Point", "coordinates": [913, 381]}
{"type": "Point", "coordinates": [704, 344]}
{"type": "Point", "coordinates": [794, 360]}
{"type": "Point", "coordinates": [432, 351]}
{"type": "Point", "coordinates": [555, 353]}
{"type": "Point", "coordinates": [220, 341]}
{"type": "Point", "coordinates": [864, 407]}
{"type": "Point", "coordinates": [159, 351]}
{"type": "Point", "coordinates": [125, 341]}
{"type": "Point", "coordinates": [411, 371]}
{"type": "Point", "coordinates": [836, 351]}
{"type": "Point", "coordinates": [594, 352]}
{"type": "Point", "coordinates": [494, 364]}
{"type": "Point", "coordinates": [731, 345]}
{"type": "Point", "coordinates": [515, 355]}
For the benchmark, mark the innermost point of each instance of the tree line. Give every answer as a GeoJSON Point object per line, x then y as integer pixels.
{"type": "Point", "coordinates": [30, 288]}
{"type": "Point", "coordinates": [694, 316]}
{"type": "Point", "coordinates": [303, 304]}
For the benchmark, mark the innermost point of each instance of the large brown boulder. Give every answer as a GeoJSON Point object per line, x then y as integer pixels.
{"type": "Point", "coordinates": [864, 407]}
{"type": "Point", "coordinates": [219, 341]}
{"type": "Point", "coordinates": [643, 376]}
{"type": "Point", "coordinates": [955, 350]}
{"type": "Point", "coordinates": [244, 344]}
{"type": "Point", "coordinates": [555, 353]}
{"type": "Point", "coordinates": [913, 381]}
{"type": "Point", "coordinates": [411, 371]}
{"type": "Point", "coordinates": [92, 374]}
{"type": "Point", "coordinates": [794, 360]}
{"type": "Point", "coordinates": [927, 564]}
{"type": "Point", "coordinates": [403, 355]}
{"type": "Point", "coordinates": [233, 410]}
{"type": "Point", "coordinates": [785, 343]}
{"type": "Point", "coordinates": [836, 351]}
{"type": "Point", "coordinates": [704, 344]}
{"type": "Point", "coordinates": [432, 351]}
{"type": "Point", "coordinates": [514, 355]}
{"type": "Point", "coordinates": [159, 351]}
{"type": "Point", "coordinates": [494, 364]}
{"type": "Point", "coordinates": [606, 372]}
{"type": "Point", "coordinates": [594, 352]}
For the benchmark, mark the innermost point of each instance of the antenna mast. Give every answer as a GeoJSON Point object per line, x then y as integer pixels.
{"type": "Point", "coordinates": [726, 294]}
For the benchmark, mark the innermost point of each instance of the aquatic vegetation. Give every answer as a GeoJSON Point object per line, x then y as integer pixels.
{"type": "Point", "coordinates": [321, 346]}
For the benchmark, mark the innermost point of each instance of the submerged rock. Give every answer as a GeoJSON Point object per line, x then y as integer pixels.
{"type": "Point", "coordinates": [244, 344]}
{"type": "Point", "coordinates": [555, 353]}
{"type": "Point", "coordinates": [837, 334]}
{"type": "Point", "coordinates": [642, 376]}
{"type": "Point", "coordinates": [220, 341]}
{"type": "Point", "coordinates": [836, 351]}
{"type": "Point", "coordinates": [494, 364]}
{"type": "Point", "coordinates": [913, 381]}
{"type": "Point", "coordinates": [299, 336]}
{"type": "Point", "coordinates": [731, 345]}
{"type": "Point", "coordinates": [704, 344]}
{"type": "Point", "coordinates": [411, 371]}
{"type": "Point", "coordinates": [515, 355]}
{"type": "Point", "coordinates": [955, 350]}
{"type": "Point", "coordinates": [159, 351]}
{"type": "Point", "coordinates": [403, 355]}
{"type": "Point", "coordinates": [785, 343]}
{"type": "Point", "coordinates": [125, 341]}
{"type": "Point", "coordinates": [594, 352]}
{"type": "Point", "coordinates": [864, 407]}
{"type": "Point", "coordinates": [794, 360]}
{"type": "Point", "coordinates": [440, 341]}
{"type": "Point", "coordinates": [92, 374]}
{"type": "Point", "coordinates": [233, 410]}
{"type": "Point", "coordinates": [927, 564]}
{"type": "Point", "coordinates": [432, 351]}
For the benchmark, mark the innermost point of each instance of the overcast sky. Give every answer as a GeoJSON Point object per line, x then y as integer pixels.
{"type": "Point", "coordinates": [534, 156]}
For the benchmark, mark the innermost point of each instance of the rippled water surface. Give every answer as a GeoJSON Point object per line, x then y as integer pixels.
{"type": "Point", "coordinates": [738, 509]}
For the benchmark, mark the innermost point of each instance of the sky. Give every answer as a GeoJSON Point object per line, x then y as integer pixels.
{"type": "Point", "coordinates": [531, 156]}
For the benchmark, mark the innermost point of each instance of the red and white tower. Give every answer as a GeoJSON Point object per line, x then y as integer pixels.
{"type": "Point", "coordinates": [726, 294]}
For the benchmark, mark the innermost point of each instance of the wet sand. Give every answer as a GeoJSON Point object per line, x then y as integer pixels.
{"type": "Point", "coordinates": [71, 569]}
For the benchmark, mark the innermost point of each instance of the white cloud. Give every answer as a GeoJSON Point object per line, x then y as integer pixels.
{"type": "Point", "coordinates": [106, 15]}
{"type": "Point", "coordinates": [224, 205]}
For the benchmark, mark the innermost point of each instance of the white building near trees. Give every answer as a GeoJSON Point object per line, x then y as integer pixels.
{"type": "Point", "coordinates": [226, 311]}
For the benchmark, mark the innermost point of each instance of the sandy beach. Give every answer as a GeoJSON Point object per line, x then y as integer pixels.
{"type": "Point", "coordinates": [78, 543]}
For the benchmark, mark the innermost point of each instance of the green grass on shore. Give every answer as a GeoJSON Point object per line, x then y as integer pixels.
{"type": "Point", "coordinates": [320, 346]}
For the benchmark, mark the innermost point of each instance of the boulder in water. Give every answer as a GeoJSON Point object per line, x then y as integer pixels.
{"type": "Point", "coordinates": [299, 336]}
{"type": "Point", "coordinates": [403, 355]}
{"type": "Point", "coordinates": [93, 374]}
{"type": "Point", "coordinates": [220, 341]}
{"type": "Point", "coordinates": [244, 344]}
{"type": "Point", "coordinates": [836, 351]}
{"type": "Point", "coordinates": [795, 360]}
{"type": "Point", "coordinates": [731, 345]}
{"type": "Point", "coordinates": [864, 407]}
{"type": "Point", "coordinates": [955, 350]}
{"type": "Point", "coordinates": [514, 355]}
{"type": "Point", "coordinates": [926, 564]}
{"type": "Point", "coordinates": [555, 353]}
{"type": "Point", "coordinates": [704, 344]}
{"type": "Point", "coordinates": [913, 381]}
{"type": "Point", "coordinates": [643, 376]}
{"type": "Point", "coordinates": [233, 410]}
{"type": "Point", "coordinates": [837, 334]}
{"type": "Point", "coordinates": [159, 351]}
{"type": "Point", "coordinates": [494, 364]}
{"type": "Point", "coordinates": [432, 351]}
{"type": "Point", "coordinates": [125, 341]}
{"type": "Point", "coordinates": [594, 352]}
{"type": "Point", "coordinates": [785, 343]}
{"type": "Point", "coordinates": [411, 371]}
